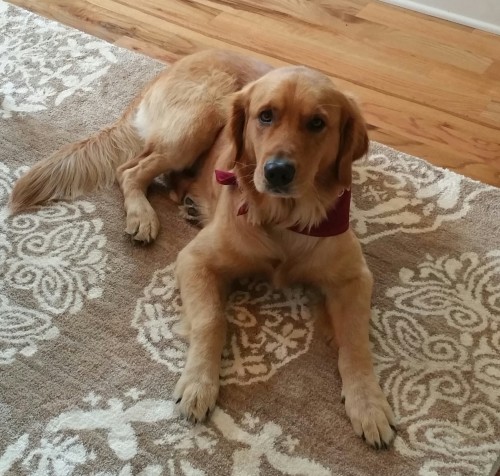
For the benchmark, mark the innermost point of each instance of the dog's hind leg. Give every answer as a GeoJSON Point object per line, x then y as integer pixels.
{"type": "Point", "coordinates": [134, 178]}
{"type": "Point", "coordinates": [166, 151]}
{"type": "Point", "coordinates": [178, 120]}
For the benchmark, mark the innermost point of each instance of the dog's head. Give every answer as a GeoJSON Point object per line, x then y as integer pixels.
{"type": "Point", "coordinates": [296, 137]}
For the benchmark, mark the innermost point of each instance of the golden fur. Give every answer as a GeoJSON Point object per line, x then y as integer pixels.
{"type": "Point", "coordinates": [203, 113]}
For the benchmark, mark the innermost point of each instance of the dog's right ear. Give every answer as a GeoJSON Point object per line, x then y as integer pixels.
{"type": "Point", "coordinates": [238, 120]}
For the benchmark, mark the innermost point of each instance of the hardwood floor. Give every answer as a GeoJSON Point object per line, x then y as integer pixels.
{"type": "Point", "coordinates": [427, 87]}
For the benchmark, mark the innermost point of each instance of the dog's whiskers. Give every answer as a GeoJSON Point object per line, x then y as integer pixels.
{"type": "Point", "coordinates": [247, 176]}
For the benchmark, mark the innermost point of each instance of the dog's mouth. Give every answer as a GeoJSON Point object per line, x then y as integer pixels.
{"type": "Point", "coordinates": [285, 191]}
{"type": "Point", "coordinates": [281, 192]}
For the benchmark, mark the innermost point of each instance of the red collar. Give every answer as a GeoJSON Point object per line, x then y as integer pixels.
{"type": "Point", "coordinates": [335, 223]}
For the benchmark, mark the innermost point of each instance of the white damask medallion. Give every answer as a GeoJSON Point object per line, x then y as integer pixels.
{"type": "Point", "coordinates": [457, 364]}
{"type": "Point", "coordinates": [267, 327]}
{"type": "Point", "coordinates": [116, 424]}
{"type": "Point", "coordinates": [42, 63]}
{"type": "Point", "coordinates": [21, 329]}
{"type": "Point", "coordinates": [405, 196]}
{"type": "Point", "coordinates": [52, 257]}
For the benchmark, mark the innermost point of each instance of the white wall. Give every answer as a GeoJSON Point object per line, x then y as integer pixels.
{"type": "Point", "coordinates": [481, 14]}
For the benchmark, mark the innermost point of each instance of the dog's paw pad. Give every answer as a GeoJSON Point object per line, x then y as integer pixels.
{"type": "Point", "coordinates": [189, 210]}
{"type": "Point", "coordinates": [188, 201]}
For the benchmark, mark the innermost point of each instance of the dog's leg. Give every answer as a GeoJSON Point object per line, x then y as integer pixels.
{"type": "Point", "coordinates": [348, 305]}
{"type": "Point", "coordinates": [134, 178]}
{"type": "Point", "coordinates": [203, 299]}
{"type": "Point", "coordinates": [205, 268]}
{"type": "Point", "coordinates": [136, 175]}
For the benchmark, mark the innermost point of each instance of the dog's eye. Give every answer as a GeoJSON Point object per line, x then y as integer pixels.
{"type": "Point", "coordinates": [266, 117]}
{"type": "Point", "coordinates": [316, 124]}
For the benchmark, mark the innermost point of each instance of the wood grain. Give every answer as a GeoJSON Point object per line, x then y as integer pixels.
{"type": "Point", "coordinates": [427, 87]}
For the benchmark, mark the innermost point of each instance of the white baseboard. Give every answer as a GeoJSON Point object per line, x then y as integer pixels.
{"type": "Point", "coordinates": [447, 15]}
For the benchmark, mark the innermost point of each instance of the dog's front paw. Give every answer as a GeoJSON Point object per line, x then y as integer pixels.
{"type": "Point", "coordinates": [142, 223]}
{"type": "Point", "coordinates": [370, 413]}
{"type": "Point", "coordinates": [196, 396]}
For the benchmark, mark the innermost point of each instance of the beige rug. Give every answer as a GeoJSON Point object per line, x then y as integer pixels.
{"type": "Point", "coordinates": [88, 358]}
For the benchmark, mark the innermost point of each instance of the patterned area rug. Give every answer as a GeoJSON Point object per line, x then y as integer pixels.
{"type": "Point", "coordinates": [89, 356]}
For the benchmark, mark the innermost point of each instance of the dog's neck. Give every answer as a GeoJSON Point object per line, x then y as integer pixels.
{"type": "Point", "coordinates": [334, 222]}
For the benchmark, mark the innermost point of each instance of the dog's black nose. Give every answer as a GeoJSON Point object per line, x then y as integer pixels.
{"type": "Point", "coordinates": [279, 172]}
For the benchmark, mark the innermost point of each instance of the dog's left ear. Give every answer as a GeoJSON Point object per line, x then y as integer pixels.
{"type": "Point", "coordinates": [353, 142]}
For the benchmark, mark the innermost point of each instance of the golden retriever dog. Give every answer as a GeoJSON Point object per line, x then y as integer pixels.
{"type": "Point", "coordinates": [282, 142]}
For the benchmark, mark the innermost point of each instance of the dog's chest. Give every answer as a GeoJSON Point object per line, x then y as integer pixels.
{"type": "Point", "coordinates": [293, 253]}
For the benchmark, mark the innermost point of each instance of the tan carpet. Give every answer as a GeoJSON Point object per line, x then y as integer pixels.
{"type": "Point", "coordinates": [88, 358]}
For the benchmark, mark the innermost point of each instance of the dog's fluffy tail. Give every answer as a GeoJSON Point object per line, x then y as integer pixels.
{"type": "Point", "coordinates": [78, 168]}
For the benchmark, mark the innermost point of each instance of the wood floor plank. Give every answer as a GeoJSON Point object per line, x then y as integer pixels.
{"type": "Point", "coordinates": [344, 59]}
{"type": "Point", "coordinates": [417, 94]}
{"type": "Point", "coordinates": [390, 39]}
{"type": "Point", "coordinates": [431, 28]}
